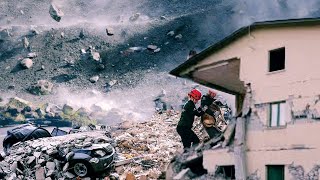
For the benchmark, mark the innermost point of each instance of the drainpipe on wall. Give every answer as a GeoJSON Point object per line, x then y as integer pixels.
{"type": "Point", "coordinates": [240, 145]}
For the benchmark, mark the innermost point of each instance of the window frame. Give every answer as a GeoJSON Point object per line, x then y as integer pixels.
{"type": "Point", "coordinates": [278, 125]}
{"type": "Point", "coordinates": [269, 60]}
{"type": "Point", "coordinates": [269, 166]}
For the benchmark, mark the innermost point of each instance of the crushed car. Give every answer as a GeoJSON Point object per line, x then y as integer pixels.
{"type": "Point", "coordinates": [96, 158]}
{"type": "Point", "coordinates": [23, 133]}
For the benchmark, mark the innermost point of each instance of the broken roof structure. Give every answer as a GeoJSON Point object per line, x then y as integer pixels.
{"type": "Point", "coordinates": [272, 69]}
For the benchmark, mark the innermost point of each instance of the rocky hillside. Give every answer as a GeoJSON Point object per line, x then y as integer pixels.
{"type": "Point", "coordinates": [121, 49]}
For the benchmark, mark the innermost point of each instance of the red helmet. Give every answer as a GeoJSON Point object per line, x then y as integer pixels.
{"type": "Point", "coordinates": [212, 93]}
{"type": "Point", "coordinates": [196, 94]}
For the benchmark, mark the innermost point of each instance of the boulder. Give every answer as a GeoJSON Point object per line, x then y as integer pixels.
{"type": "Point", "coordinates": [179, 36]}
{"type": "Point", "coordinates": [26, 63]}
{"type": "Point", "coordinates": [67, 109]}
{"type": "Point", "coordinates": [42, 87]}
{"type": "Point", "coordinates": [18, 103]}
{"type": "Point", "coordinates": [94, 79]}
{"type": "Point", "coordinates": [55, 12]}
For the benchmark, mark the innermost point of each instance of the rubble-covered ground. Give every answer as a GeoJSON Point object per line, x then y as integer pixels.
{"type": "Point", "coordinates": [143, 151]}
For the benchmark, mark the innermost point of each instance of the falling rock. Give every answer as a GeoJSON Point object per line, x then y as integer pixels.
{"type": "Point", "coordinates": [170, 33]}
{"type": "Point", "coordinates": [179, 36]}
{"type": "Point", "coordinates": [55, 12]}
{"type": "Point", "coordinates": [32, 55]}
{"type": "Point", "coordinates": [42, 87]}
{"type": "Point", "coordinates": [40, 173]}
{"type": "Point", "coordinates": [109, 31]}
{"type": "Point", "coordinates": [152, 47]}
{"type": "Point", "coordinates": [94, 79]}
{"type": "Point", "coordinates": [25, 42]}
{"type": "Point", "coordinates": [26, 63]}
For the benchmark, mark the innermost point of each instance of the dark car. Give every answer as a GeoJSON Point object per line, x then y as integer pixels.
{"type": "Point", "coordinates": [97, 158]}
{"type": "Point", "coordinates": [23, 133]}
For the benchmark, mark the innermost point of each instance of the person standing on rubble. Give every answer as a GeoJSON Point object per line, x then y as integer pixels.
{"type": "Point", "coordinates": [188, 114]}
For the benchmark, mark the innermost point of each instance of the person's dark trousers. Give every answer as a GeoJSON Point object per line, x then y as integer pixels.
{"type": "Point", "coordinates": [212, 132]}
{"type": "Point", "coordinates": [187, 136]}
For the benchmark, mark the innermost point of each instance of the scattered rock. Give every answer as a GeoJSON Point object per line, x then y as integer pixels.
{"type": "Point", "coordinates": [112, 83]}
{"type": "Point", "coordinates": [94, 79]}
{"type": "Point", "coordinates": [170, 33]}
{"type": "Point", "coordinates": [32, 55]}
{"type": "Point", "coordinates": [26, 63]}
{"type": "Point", "coordinates": [40, 173]}
{"type": "Point", "coordinates": [55, 12]}
{"type": "Point", "coordinates": [81, 35]}
{"type": "Point", "coordinates": [34, 31]}
{"type": "Point", "coordinates": [101, 67]}
{"type": "Point", "coordinates": [109, 31]}
{"type": "Point", "coordinates": [136, 49]}
{"type": "Point", "coordinates": [25, 42]}
{"type": "Point", "coordinates": [157, 50]}
{"type": "Point", "coordinates": [152, 47]}
{"type": "Point", "coordinates": [42, 87]}
{"type": "Point", "coordinates": [130, 176]}
{"type": "Point", "coordinates": [95, 56]}
{"type": "Point", "coordinates": [179, 36]}
{"type": "Point", "coordinates": [4, 34]}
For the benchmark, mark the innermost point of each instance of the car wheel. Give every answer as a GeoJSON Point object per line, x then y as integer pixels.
{"type": "Point", "coordinates": [81, 169]}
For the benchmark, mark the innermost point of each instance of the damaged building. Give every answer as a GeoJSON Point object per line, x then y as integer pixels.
{"type": "Point", "coordinates": [272, 69]}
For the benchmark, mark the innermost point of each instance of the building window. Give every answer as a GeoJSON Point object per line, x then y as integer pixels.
{"type": "Point", "coordinates": [277, 59]}
{"type": "Point", "coordinates": [226, 172]}
{"type": "Point", "coordinates": [277, 114]}
{"type": "Point", "coordinates": [275, 172]}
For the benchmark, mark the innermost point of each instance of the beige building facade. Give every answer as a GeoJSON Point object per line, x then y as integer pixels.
{"type": "Point", "coordinates": [279, 61]}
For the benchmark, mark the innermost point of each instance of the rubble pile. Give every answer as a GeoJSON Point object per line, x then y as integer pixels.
{"type": "Point", "coordinates": [145, 149]}
{"type": "Point", "coordinates": [39, 159]}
